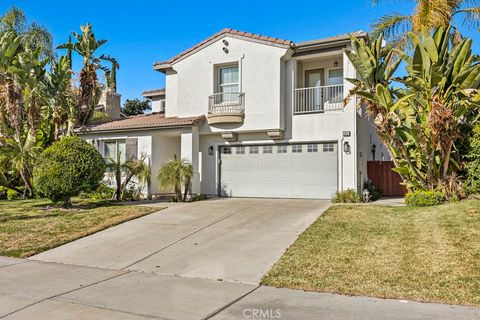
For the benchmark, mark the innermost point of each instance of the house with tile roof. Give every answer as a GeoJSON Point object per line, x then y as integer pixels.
{"type": "Point", "coordinates": [256, 116]}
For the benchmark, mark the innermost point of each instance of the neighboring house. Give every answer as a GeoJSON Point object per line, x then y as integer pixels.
{"type": "Point", "coordinates": [110, 104]}
{"type": "Point", "coordinates": [158, 99]}
{"type": "Point", "coordinates": [256, 116]}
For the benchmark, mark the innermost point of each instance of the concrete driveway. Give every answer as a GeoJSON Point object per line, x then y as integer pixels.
{"type": "Point", "coordinates": [224, 239]}
{"type": "Point", "coordinates": [196, 261]}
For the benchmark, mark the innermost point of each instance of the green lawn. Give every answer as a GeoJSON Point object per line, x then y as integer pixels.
{"type": "Point", "coordinates": [425, 254]}
{"type": "Point", "coordinates": [28, 227]}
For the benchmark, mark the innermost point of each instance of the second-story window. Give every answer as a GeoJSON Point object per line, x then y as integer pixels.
{"type": "Point", "coordinates": [228, 84]}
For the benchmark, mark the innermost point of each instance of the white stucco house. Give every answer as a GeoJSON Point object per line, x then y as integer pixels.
{"type": "Point", "coordinates": [257, 117]}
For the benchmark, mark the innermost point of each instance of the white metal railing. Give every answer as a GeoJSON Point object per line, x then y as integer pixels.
{"type": "Point", "coordinates": [318, 99]}
{"type": "Point", "coordinates": [220, 103]}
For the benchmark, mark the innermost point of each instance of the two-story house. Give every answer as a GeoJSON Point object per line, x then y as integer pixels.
{"type": "Point", "coordinates": [256, 116]}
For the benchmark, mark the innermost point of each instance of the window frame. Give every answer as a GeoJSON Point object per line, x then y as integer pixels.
{"type": "Point", "coordinates": [238, 148]}
{"type": "Point", "coordinates": [284, 149]}
{"type": "Point", "coordinates": [117, 142]}
{"type": "Point", "coordinates": [219, 85]}
{"type": "Point", "coordinates": [254, 148]}
{"type": "Point", "coordinates": [312, 147]}
{"type": "Point", "coordinates": [269, 148]}
{"type": "Point", "coordinates": [328, 147]}
{"type": "Point", "coordinates": [297, 148]}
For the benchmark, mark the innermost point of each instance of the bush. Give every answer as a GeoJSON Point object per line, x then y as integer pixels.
{"type": "Point", "coordinates": [374, 192]}
{"type": "Point", "coordinates": [103, 192]}
{"type": "Point", "coordinates": [67, 168]}
{"type": "Point", "coordinates": [13, 195]}
{"type": "Point", "coordinates": [3, 193]}
{"type": "Point", "coordinates": [198, 197]}
{"type": "Point", "coordinates": [472, 167]}
{"type": "Point", "coordinates": [347, 196]}
{"type": "Point", "coordinates": [424, 198]}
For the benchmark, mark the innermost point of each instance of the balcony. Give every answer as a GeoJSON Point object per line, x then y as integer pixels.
{"type": "Point", "coordinates": [318, 99]}
{"type": "Point", "coordinates": [226, 108]}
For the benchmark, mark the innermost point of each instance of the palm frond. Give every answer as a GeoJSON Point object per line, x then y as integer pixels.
{"type": "Point", "coordinates": [14, 19]}
{"type": "Point", "coordinates": [472, 16]}
{"type": "Point", "coordinates": [390, 26]}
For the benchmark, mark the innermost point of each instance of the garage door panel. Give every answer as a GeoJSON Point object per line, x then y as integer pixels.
{"type": "Point", "coordinates": [311, 173]}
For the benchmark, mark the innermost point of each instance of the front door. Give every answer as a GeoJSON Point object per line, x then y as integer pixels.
{"type": "Point", "coordinates": [314, 81]}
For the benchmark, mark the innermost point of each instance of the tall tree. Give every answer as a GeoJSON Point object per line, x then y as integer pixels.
{"type": "Point", "coordinates": [87, 47]}
{"type": "Point", "coordinates": [32, 35]}
{"type": "Point", "coordinates": [420, 122]}
{"type": "Point", "coordinates": [133, 107]}
{"type": "Point", "coordinates": [427, 14]}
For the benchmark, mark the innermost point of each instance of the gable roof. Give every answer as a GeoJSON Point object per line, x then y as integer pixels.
{"type": "Point", "coordinates": [143, 121]}
{"type": "Point", "coordinates": [277, 42]}
{"type": "Point", "coordinates": [301, 46]}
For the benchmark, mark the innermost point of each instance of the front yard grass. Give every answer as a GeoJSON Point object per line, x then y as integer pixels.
{"type": "Point", "coordinates": [424, 254]}
{"type": "Point", "coordinates": [28, 227]}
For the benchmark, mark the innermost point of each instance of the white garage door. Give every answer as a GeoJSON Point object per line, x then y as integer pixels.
{"type": "Point", "coordinates": [279, 171]}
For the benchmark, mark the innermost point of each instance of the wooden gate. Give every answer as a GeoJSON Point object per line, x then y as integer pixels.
{"type": "Point", "coordinates": [382, 176]}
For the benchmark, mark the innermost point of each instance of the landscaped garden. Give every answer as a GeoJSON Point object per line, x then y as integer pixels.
{"type": "Point", "coordinates": [425, 254]}
{"type": "Point", "coordinates": [28, 227]}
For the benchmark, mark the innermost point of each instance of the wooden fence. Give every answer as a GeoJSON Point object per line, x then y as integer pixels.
{"type": "Point", "coordinates": [382, 176]}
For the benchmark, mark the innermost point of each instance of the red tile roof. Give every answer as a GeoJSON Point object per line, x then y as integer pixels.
{"type": "Point", "coordinates": [227, 31]}
{"type": "Point", "coordinates": [144, 121]}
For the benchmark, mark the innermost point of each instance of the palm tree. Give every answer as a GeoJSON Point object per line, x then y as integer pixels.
{"type": "Point", "coordinates": [125, 171]}
{"type": "Point", "coordinates": [61, 96]}
{"type": "Point", "coordinates": [33, 36]}
{"type": "Point", "coordinates": [420, 121]}
{"type": "Point", "coordinates": [86, 46]}
{"type": "Point", "coordinates": [430, 14]}
{"type": "Point", "coordinates": [176, 174]}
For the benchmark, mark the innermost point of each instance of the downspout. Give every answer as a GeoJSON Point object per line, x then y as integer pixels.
{"type": "Point", "coordinates": [340, 150]}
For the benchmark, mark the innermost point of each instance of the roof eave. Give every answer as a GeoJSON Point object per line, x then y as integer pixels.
{"type": "Point", "coordinates": [87, 131]}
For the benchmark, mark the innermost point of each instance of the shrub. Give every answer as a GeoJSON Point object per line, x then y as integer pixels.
{"type": "Point", "coordinates": [374, 192]}
{"type": "Point", "coordinates": [13, 195]}
{"type": "Point", "coordinates": [198, 197]}
{"type": "Point", "coordinates": [424, 198]}
{"type": "Point", "coordinates": [472, 167]}
{"type": "Point", "coordinates": [3, 193]}
{"type": "Point", "coordinates": [347, 196]}
{"type": "Point", "coordinates": [103, 192]}
{"type": "Point", "coordinates": [67, 168]}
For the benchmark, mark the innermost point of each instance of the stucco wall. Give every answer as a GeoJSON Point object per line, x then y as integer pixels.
{"type": "Point", "coordinates": [260, 70]}
{"type": "Point", "coordinates": [144, 144]}
{"type": "Point", "coordinates": [157, 104]}
{"type": "Point", "coordinates": [164, 146]}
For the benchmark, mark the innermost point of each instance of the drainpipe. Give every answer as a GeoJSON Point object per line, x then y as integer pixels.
{"type": "Point", "coordinates": [340, 147]}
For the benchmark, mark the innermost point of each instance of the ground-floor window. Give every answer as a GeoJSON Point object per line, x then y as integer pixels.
{"type": "Point", "coordinates": [113, 149]}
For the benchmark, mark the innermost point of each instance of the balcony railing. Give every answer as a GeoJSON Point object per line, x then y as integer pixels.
{"type": "Point", "coordinates": [226, 103]}
{"type": "Point", "coordinates": [318, 99]}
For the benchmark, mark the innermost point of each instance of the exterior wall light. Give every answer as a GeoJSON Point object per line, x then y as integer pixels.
{"type": "Point", "coordinates": [225, 42]}
{"type": "Point", "coordinates": [346, 147]}
{"type": "Point", "coordinates": [210, 151]}
{"type": "Point", "coordinates": [225, 49]}
{"type": "Point", "coordinates": [335, 64]}
{"type": "Point", "coordinates": [373, 150]}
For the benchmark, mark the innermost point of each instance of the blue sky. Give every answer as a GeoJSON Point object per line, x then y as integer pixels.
{"type": "Point", "coordinates": [142, 32]}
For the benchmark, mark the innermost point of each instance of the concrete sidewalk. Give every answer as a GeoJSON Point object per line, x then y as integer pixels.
{"type": "Point", "coordinates": [52, 291]}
